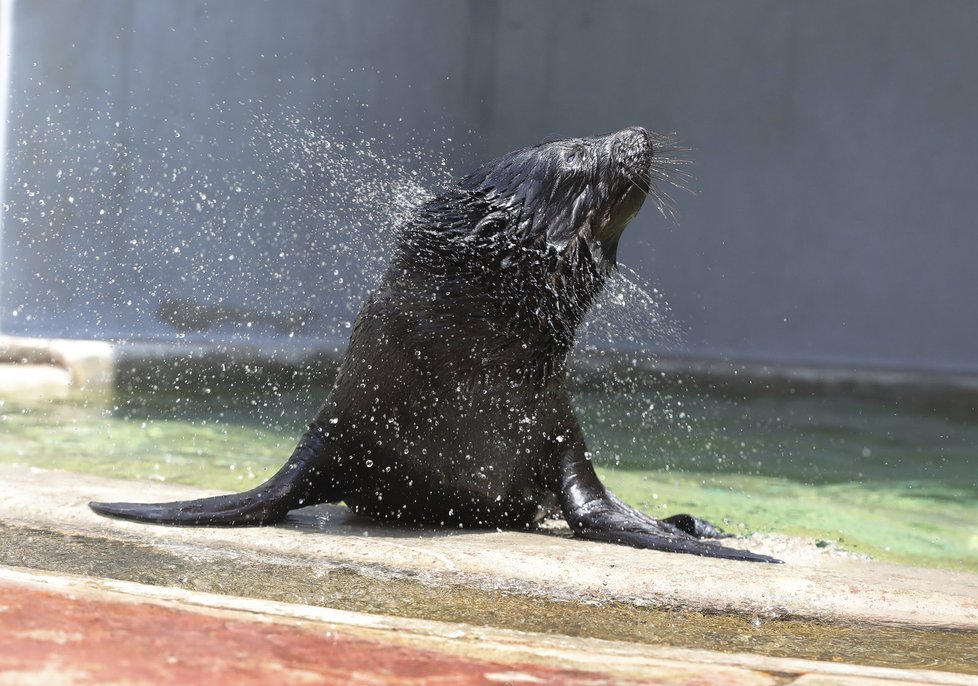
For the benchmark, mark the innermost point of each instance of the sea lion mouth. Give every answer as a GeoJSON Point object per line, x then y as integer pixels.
{"type": "Point", "coordinates": [627, 173]}
{"type": "Point", "coordinates": [653, 164]}
{"type": "Point", "coordinates": [628, 166]}
{"type": "Point", "coordinates": [634, 149]}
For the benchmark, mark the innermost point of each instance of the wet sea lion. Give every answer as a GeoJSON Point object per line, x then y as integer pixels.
{"type": "Point", "coordinates": [450, 407]}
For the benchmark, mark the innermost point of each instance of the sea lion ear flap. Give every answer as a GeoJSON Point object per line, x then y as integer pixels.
{"type": "Point", "coordinates": [493, 224]}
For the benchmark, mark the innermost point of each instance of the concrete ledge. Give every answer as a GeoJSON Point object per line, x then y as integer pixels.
{"type": "Point", "coordinates": [43, 382]}
{"type": "Point", "coordinates": [814, 584]}
{"type": "Point", "coordinates": [158, 645]}
{"type": "Point", "coordinates": [952, 392]}
{"type": "Point", "coordinates": [162, 629]}
{"type": "Point", "coordinates": [98, 365]}
{"type": "Point", "coordinates": [41, 365]}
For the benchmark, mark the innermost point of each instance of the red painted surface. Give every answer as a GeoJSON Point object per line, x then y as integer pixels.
{"type": "Point", "coordinates": [48, 637]}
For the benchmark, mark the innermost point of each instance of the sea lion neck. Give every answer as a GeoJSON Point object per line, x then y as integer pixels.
{"type": "Point", "coordinates": [500, 305]}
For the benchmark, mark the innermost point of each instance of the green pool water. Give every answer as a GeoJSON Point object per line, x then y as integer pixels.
{"type": "Point", "coordinates": [889, 482]}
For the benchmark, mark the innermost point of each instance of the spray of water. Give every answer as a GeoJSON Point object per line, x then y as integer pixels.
{"type": "Point", "coordinates": [118, 232]}
{"type": "Point", "coordinates": [280, 232]}
{"type": "Point", "coordinates": [630, 315]}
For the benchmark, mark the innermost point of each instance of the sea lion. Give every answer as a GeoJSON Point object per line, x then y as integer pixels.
{"type": "Point", "coordinates": [450, 407]}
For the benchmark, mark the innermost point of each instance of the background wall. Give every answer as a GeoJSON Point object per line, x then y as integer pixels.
{"type": "Point", "coordinates": [242, 158]}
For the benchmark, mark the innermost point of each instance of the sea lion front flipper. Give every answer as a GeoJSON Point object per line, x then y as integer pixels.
{"type": "Point", "coordinates": [594, 513]}
{"type": "Point", "coordinates": [694, 526]}
{"type": "Point", "coordinates": [312, 475]}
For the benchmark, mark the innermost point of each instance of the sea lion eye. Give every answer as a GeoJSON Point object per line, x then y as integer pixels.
{"type": "Point", "coordinates": [492, 223]}
{"type": "Point", "coordinates": [571, 157]}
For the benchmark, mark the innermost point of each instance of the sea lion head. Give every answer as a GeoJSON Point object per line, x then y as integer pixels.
{"type": "Point", "coordinates": [562, 192]}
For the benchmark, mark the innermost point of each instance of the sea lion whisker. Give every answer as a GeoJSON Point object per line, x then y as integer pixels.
{"type": "Point", "coordinates": [643, 185]}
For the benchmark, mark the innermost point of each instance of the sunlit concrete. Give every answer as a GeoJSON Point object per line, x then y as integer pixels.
{"type": "Point", "coordinates": [88, 365]}
{"type": "Point", "coordinates": [34, 382]}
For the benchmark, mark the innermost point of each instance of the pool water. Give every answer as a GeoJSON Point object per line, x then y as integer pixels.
{"type": "Point", "coordinates": [895, 484]}
{"type": "Point", "coordinates": [889, 482]}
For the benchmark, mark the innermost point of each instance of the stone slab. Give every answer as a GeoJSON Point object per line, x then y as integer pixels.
{"type": "Point", "coordinates": [67, 629]}
{"type": "Point", "coordinates": [812, 584]}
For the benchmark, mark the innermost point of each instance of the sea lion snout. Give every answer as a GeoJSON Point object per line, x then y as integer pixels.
{"type": "Point", "coordinates": [636, 135]}
{"type": "Point", "coordinates": [634, 149]}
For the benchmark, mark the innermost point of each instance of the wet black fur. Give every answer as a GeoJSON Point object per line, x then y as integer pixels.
{"type": "Point", "coordinates": [450, 407]}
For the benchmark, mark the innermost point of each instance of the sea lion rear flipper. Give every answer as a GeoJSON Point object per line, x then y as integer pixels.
{"type": "Point", "coordinates": [312, 475]}
{"type": "Point", "coordinates": [595, 513]}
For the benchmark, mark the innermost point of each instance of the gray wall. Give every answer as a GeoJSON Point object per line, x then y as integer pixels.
{"type": "Point", "coordinates": [834, 147]}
